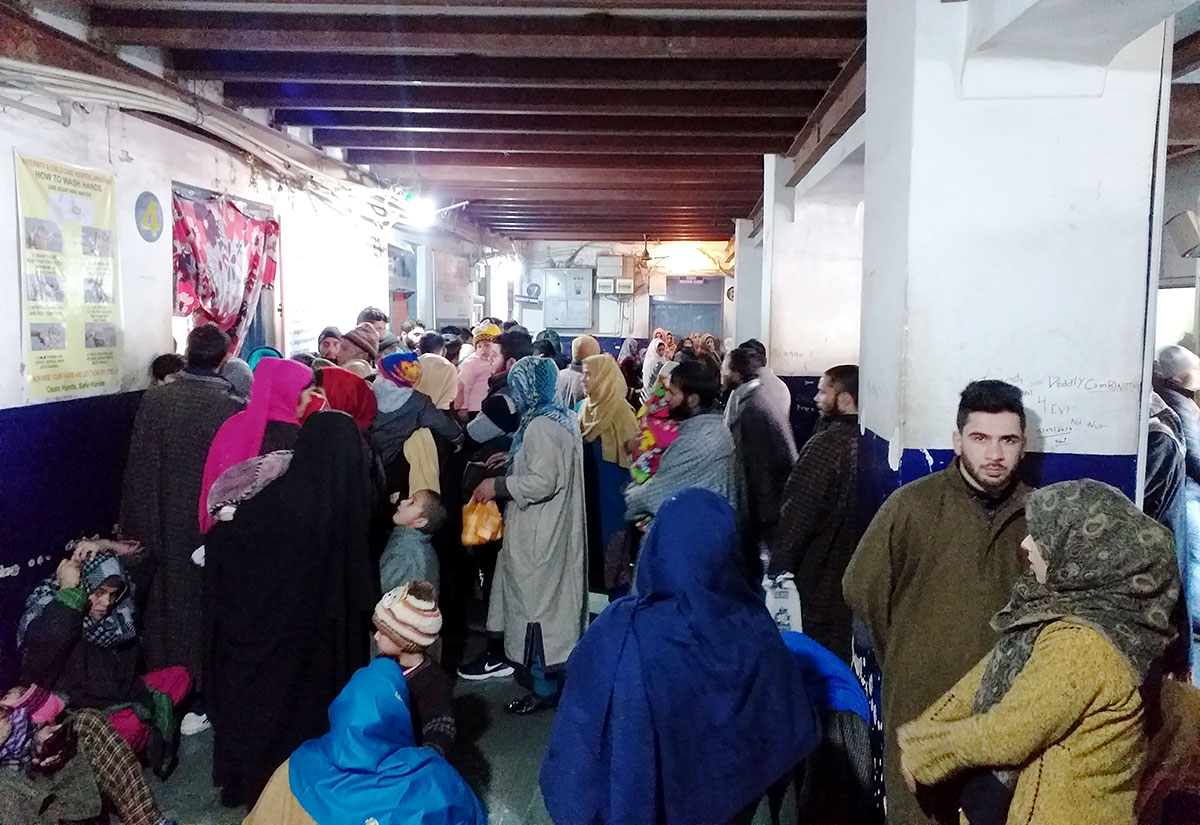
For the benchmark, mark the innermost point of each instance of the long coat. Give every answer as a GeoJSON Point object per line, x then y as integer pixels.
{"type": "Point", "coordinates": [173, 431]}
{"type": "Point", "coordinates": [766, 453]}
{"type": "Point", "coordinates": [930, 572]}
{"type": "Point", "coordinates": [540, 586]}
{"type": "Point", "coordinates": [818, 530]}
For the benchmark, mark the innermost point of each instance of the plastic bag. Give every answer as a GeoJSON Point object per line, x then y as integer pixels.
{"type": "Point", "coordinates": [783, 601]}
{"type": "Point", "coordinates": [482, 523]}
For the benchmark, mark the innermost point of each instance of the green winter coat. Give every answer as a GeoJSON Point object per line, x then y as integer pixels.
{"type": "Point", "coordinates": [931, 570]}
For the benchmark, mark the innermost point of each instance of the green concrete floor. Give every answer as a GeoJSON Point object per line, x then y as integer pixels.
{"type": "Point", "coordinates": [504, 771]}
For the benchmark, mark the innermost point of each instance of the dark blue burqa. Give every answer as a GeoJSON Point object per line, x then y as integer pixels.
{"type": "Point", "coordinates": [682, 704]}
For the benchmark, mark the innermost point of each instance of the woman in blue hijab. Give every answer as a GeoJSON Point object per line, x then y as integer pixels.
{"type": "Point", "coordinates": [368, 768]}
{"type": "Point", "coordinates": [682, 704]}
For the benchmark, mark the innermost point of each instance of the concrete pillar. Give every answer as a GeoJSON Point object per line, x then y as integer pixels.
{"type": "Point", "coordinates": [779, 203]}
{"type": "Point", "coordinates": [747, 279]}
{"type": "Point", "coordinates": [816, 286]}
{"type": "Point", "coordinates": [425, 308]}
{"type": "Point", "coordinates": [1012, 229]}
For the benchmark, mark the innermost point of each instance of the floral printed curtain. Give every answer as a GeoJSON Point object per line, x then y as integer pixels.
{"type": "Point", "coordinates": [223, 259]}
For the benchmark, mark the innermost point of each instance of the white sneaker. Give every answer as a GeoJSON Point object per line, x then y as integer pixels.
{"type": "Point", "coordinates": [194, 723]}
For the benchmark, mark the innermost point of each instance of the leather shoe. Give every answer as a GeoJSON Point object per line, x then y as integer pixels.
{"type": "Point", "coordinates": [531, 703]}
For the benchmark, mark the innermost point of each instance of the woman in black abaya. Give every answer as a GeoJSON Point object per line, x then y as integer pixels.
{"type": "Point", "coordinates": [290, 585]}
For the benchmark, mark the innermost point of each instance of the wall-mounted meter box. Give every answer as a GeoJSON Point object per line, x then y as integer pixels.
{"type": "Point", "coordinates": [605, 286]}
{"type": "Point", "coordinates": [567, 299]}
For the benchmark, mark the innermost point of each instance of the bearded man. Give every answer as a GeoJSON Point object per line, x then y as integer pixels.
{"type": "Point", "coordinates": [937, 562]}
{"type": "Point", "coordinates": [702, 456]}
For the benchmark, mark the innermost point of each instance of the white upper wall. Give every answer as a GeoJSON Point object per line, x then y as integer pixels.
{"type": "Point", "coordinates": [331, 263]}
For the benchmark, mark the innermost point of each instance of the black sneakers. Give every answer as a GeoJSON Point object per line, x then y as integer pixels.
{"type": "Point", "coordinates": [485, 667]}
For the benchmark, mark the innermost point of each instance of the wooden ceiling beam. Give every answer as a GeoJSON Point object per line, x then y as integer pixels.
{"type": "Point", "coordinates": [505, 73]}
{"type": "Point", "coordinates": [396, 165]}
{"type": "Point", "coordinates": [550, 144]}
{"type": "Point", "coordinates": [1183, 128]}
{"type": "Point", "coordinates": [622, 237]}
{"type": "Point", "coordinates": [1187, 56]}
{"type": "Point", "coordinates": [676, 103]}
{"type": "Point", "coordinates": [501, 124]}
{"type": "Point", "coordinates": [718, 197]}
{"type": "Point", "coordinates": [855, 8]}
{"type": "Point", "coordinates": [495, 36]}
{"type": "Point", "coordinates": [842, 106]}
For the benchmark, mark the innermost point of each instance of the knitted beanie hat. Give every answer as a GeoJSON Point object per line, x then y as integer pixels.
{"type": "Point", "coordinates": [409, 616]}
{"type": "Point", "coordinates": [402, 368]}
{"type": "Point", "coordinates": [366, 338]}
{"type": "Point", "coordinates": [486, 332]}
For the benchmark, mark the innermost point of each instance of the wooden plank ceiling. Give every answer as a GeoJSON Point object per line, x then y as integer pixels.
{"type": "Point", "coordinates": [579, 119]}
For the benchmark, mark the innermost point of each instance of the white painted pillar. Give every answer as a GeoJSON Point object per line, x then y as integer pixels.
{"type": "Point", "coordinates": [748, 278]}
{"type": "Point", "coordinates": [1012, 230]}
{"type": "Point", "coordinates": [425, 309]}
{"type": "Point", "coordinates": [779, 203]}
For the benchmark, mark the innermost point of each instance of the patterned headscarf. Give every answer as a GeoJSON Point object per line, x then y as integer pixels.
{"type": "Point", "coordinates": [112, 630]}
{"type": "Point", "coordinates": [1110, 567]}
{"type": "Point", "coordinates": [533, 384]}
{"type": "Point", "coordinates": [401, 368]}
{"type": "Point", "coordinates": [14, 749]}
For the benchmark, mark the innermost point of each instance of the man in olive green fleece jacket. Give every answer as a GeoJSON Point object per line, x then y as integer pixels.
{"type": "Point", "coordinates": [937, 562]}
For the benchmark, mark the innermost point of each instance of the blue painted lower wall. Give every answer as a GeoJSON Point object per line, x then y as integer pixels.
{"type": "Point", "coordinates": [877, 480]}
{"type": "Point", "coordinates": [62, 466]}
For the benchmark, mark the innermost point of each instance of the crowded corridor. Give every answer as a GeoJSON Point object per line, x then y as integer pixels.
{"type": "Point", "coordinates": [464, 412]}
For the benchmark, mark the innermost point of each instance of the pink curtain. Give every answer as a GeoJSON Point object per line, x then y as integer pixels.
{"type": "Point", "coordinates": [223, 259]}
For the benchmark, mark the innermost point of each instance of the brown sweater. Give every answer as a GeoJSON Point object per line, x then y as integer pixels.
{"type": "Point", "coordinates": [930, 572]}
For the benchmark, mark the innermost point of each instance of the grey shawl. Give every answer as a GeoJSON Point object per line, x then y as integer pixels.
{"type": "Point", "coordinates": [702, 456]}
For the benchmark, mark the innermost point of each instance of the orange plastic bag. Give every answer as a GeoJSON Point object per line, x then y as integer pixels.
{"type": "Point", "coordinates": [482, 523]}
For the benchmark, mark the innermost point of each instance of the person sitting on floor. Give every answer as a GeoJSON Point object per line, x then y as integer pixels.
{"type": "Point", "coordinates": [369, 766]}
{"type": "Point", "coordinates": [58, 764]}
{"type": "Point", "coordinates": [407, 623]}
{"type": "Point", "coordinates": [78, 637]}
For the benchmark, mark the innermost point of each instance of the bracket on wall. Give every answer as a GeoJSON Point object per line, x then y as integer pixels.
{"type": "Point", "coordinates": [63, 118]}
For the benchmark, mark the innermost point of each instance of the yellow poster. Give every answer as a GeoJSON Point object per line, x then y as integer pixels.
{"type": "Point", "coordinates": [70, 293]}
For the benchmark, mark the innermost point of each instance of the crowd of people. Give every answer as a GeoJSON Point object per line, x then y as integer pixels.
{"type": "Point", "coordinates": [292, 571]}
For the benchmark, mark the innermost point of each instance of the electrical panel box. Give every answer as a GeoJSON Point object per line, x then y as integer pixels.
{"type": "Point", "coordinates": [624, 286]}
{"type": "Point", "coordinates": [567, 298]}
{"type": "Point", "coordinates": [605, 286]}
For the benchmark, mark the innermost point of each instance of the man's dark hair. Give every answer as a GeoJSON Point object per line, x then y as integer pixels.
{"type": "Point", "coordinates": [545, 348]}
{"type": "Point", "coordinates": [431, 342]}
{"type": "Point", "coordinates": [515, 344]}
{"type": "Point", "coordinates": [746, 362]}
{"type": "Point", "coordinates": [372, 314]}
{"type": "Point", "coordinates": [450, 329]}
{"type": "Point", "coordinates": [757, 346]}
{"type": "Point", "coordinates": [698, 378]}
{"type": "Point", "coordinates": [206, 347]}
{"type": "Point", "coordinates": [411, 324]}
{"type": "Point", "coordinates": [507, 325]}
{"type": "Point", "coordinates": [167, 364]}
{"type": "Point", "coordinates": [453, 348]}
{"type": "Point", "coordinates": [990, 396]}
{"type": "Point", "coordinates": [845, 377]}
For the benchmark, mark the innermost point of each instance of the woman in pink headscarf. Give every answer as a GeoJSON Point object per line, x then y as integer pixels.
{"type": "Point", "coordinates": [279, 398]}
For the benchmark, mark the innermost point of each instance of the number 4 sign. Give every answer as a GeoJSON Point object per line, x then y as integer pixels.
{"type": "Point", "coordinates": [148, 215]}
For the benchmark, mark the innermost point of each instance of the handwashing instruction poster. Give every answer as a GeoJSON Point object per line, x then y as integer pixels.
{"type": "Point", "coordinates": [70, 297]}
